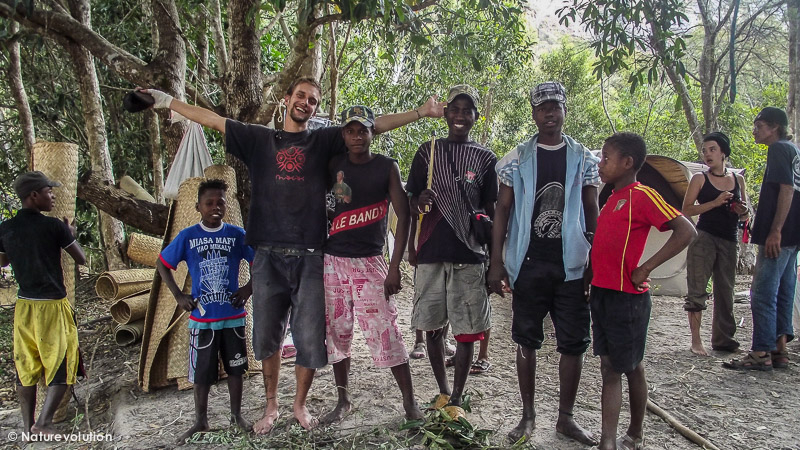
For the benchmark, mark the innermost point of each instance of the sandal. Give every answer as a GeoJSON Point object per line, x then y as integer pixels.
{"type": "Point", "coordinates": [288, 351]}
{"type": "Point", "coordinates": [419, 351]}
{"type": "Point", "coordinates": [630, 443]}
{"type": "Point", "coordinates": [480, 366]}
{"type": "Point", "coordinates": [750, 362]}
{"type": "Point", "coordinates": [780, 360]}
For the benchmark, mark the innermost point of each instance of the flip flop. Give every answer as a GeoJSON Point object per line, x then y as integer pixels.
{"type": "Point", "coordinates": [480, 366]}
{"type": "Point", "coordinates": [419, 351]}
{"type": "Point", "coordinates": [288, 351]}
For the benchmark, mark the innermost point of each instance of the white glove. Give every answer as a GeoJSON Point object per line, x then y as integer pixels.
{"type": "Point", "coordinates": [162, 99]}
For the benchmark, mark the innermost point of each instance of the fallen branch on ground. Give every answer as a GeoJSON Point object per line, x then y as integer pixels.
{"type": "Point", "coordinates": [681, 428]}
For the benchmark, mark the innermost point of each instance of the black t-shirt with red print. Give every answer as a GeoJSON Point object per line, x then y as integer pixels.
{"type": "Point", "coordinates": [288, 173]}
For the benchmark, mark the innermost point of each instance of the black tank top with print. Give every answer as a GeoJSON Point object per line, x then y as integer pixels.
{"type": "Point", "coordinates": [719, 221]}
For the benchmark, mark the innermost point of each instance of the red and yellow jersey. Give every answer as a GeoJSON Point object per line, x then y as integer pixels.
{"type": "Point", "coordinates": [621, 235]}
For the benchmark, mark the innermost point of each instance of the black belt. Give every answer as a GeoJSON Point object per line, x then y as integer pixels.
{"type": "Point", "coordinates": [287, 251]}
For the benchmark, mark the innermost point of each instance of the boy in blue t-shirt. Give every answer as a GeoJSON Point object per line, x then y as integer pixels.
{"type": "Point", "coordinates": [212, 251]}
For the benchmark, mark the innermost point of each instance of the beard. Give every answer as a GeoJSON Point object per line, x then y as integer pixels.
{"type": "Point", "coordinates": [295, 115]}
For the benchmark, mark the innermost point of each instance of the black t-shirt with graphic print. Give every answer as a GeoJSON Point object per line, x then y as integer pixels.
{"type": "Point", "coordinates": [288, 172]}
{"type": "Point", "coordinates": [358, 229]}
{"type": "Point", "coordinates": [783, 167]}
{"type": "Point", "coordinates": [548, 205]}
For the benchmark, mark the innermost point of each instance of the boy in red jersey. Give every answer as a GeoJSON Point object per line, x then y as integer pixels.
{"type": "Point", "coordinates": [620, 301]}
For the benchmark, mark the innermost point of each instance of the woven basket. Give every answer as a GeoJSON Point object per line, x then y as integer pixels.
{"type": "Point", "coordinates": [130, 309]}
{"type": "Point", "coordinates": [128, 333]}
{"type": "Point", "coordinates": [117, 284]}
{"type": "Point", "coordinates": [59, 161]}
{"type": "Point", "coordinates": [162, 310]}
{"type": "Point", "coordinates": [144, 249]}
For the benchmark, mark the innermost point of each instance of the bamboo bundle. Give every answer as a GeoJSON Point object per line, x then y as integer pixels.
{"type": "Point", "coordinates": [117, 284]}
{"type": "Point", "coordinates": [144, 249]}
{"type": "Point", "coordinates": [130, 309]}
{"type": "Point", "coordinates": [130, 186]}
{"type": "Point", "coordinates": [128, 333]}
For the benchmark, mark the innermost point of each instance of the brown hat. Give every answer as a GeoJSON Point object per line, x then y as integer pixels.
{"type": "Point", "coordinates": [32, 181]}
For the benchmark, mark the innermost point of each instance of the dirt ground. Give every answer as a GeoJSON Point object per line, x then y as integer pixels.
{"type": "Point", "coordinates": [733, 410]}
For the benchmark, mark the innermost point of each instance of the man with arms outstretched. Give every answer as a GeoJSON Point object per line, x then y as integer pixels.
{"type": "Point", "coordinates": [287, 225]}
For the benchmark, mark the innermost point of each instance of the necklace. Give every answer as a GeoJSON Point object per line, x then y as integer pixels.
{"type": "Point", "coordinates": [724, 173]}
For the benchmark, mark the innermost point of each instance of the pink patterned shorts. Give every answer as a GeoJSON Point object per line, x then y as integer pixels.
{"type": "Point", "coordinates": [354, 290]}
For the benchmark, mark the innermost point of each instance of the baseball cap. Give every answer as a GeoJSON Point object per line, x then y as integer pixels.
{"type": "Point", "coordinates": [360, 114]}
{"type": "Point", "coordinates": [32, 181]}
{"type": "Point", "coordinates": [464, 89]}
{"type": "Point", "coordinates": [771, 114]}
{"type": "Point", "coordinates": [548, 91]}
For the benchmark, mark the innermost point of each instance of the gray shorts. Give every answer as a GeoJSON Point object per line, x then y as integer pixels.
{"type": "Point", "coordinates": [451, 292]}
{"type": "Point", "coordinates": [284, 283]}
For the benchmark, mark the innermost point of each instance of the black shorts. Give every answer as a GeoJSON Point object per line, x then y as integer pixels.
{"type": "Point", "coordinates": [540, 289]}
{"type": "Point", "coordinates": [619, 326]}
{"type": "Point", "coordinates": [206, 347]}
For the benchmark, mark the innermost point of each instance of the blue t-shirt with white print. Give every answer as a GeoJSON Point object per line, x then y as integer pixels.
{"type": "Point", "coordinates": [213, 257]}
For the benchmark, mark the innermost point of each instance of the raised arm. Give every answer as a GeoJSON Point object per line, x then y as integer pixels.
{"type": "Point", "coordinates": [196, 114]}
{"type": "Point", "coordinates": [389, 122]}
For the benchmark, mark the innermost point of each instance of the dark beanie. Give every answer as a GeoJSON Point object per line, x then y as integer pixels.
{"type": "Point", "coordinates": [773, 115]}
{"type": "Point", "coordinates": [722, 140]}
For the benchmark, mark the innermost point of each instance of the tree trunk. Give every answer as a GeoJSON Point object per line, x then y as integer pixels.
{"type": "Point", "coordinates": [794, 65]}
{"type": "Point", "coordinates": [708, 76]}
{"type": "Point", "coordinates": [333, 67]}
{"type": "Point", "coordinates": [151, 122]}
{"type": "Point", "coordinates": [20, 96]}
{"type": "Point", "coordinates": [112, 233]}
{"type": "Point", "coordinates": [146, 216]}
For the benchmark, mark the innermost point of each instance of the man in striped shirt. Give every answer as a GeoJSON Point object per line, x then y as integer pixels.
{"type": "Point", "coordinates": [449, 284]}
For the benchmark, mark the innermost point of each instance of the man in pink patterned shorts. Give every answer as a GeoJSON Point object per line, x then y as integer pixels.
{"type": "Point", "coordinates": [358, 284]}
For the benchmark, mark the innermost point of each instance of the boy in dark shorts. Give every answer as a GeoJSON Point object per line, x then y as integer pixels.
{"type": "Point", "coordinates": [620, 300]}
{"type": "Point", "coordinates": [358, 284]}
{"type": "Point", "coordinates": [212, 251]}
{"type": "Point", "coordinates": [548, 204]}
{"type": "Point", "coordinates": [45, 334]}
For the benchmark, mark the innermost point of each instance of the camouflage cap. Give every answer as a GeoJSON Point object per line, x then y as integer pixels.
{"type": "Point", "coordinates": [360, 114]}
{"type": "Point", "coordinates": [464, 89]}
{"type": "Point", "coordinates": [548, 91]}
{"type": "Point", "coordinates": [31, 182]}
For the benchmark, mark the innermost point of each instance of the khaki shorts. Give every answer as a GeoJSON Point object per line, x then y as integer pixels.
{"type": "Point", "coordinates": [450, 292]}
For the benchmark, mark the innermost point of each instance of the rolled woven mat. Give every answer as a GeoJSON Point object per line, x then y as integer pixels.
{"type": "Point", "coordinates": [130, 186]}
{"type": "Point", "coordinates": [130, 309]}
{"type": "Point", "coordinates": [117, 284]}
{"type": "Point", "coordinates": [162, 310]}
{"type": "Point", "coordinates": [128, 333]}
{"type": "Point", "coordinates": [59, 161]}
{"type": "Point", "coordinates": [144, 249]}
{"type": "Point", "coordinates": [234, 217]}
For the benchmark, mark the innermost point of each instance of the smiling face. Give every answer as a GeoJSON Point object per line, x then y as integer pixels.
{"type": "Point", "coordinates": [302, 104]}
{"type": "Point", "coordinates": [357, 137]}
{"type": "Point", "coordinates": [212, 207]}
{"type": "Point", "coordinates": [713, 156]}
{"type": "Point", "coordinates": [460, 115]}
{"type": "Point", "coordinates": [549, 117]}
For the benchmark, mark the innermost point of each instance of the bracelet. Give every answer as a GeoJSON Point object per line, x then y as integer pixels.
{"type": "Point", "coordinates": [419, 116]}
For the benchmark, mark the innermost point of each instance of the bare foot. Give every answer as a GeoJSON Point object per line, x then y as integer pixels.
{"type": "Point", "coordinates": [239, 421]}
{"type": "Point", "coordinates": [412, 411]}
{"type": "Point", "coordinates": [567, 426]}
{"type": "Point", "coordinates": [341, 410]}
{"type": "Point", "coordinates": [198, 427]}
{"type": "Point", "coordinates": [305, 418]}
{"type": "Point", "coordinates": [43, 429]}
{"type": "Point", "coordinates": [523, 430]}
{"type": "Point", "coordinates": [698, 349]}
{"type": "Point", "coordinates": [266, 423]}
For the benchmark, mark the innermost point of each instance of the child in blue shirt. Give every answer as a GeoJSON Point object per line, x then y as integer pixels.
{"type": "Point", "coordinates": [212, 251]}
